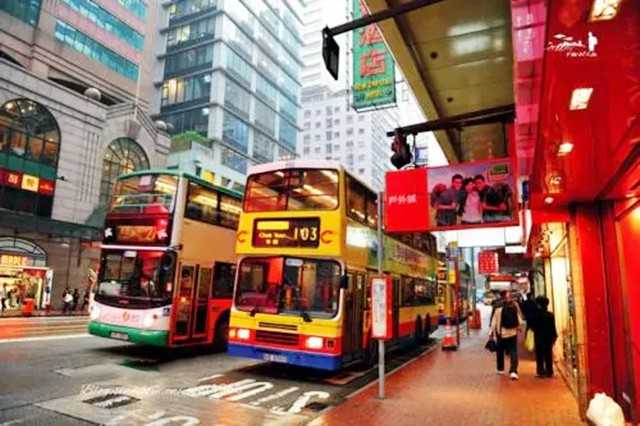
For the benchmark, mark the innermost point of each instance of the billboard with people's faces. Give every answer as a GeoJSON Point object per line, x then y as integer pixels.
{"type": "Point", "coordinates": [460, 196]}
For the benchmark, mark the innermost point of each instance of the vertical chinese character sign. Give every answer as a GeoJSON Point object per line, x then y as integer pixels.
{"type": "Point", "coordinates": [373, 66]}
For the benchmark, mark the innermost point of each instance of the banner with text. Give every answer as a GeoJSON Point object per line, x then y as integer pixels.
{"type": "Point", "coordinates": [468, 195]}
{"type": "Point", "coordinates": [373, 66]}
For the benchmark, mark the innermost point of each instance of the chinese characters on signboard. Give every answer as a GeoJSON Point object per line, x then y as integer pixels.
{"type": "Point", "coordinates": [469, 195]}
{"type": "Point", "coordinates": [373, 66]}
{"type": "Point", "coordinates": [488, 262]}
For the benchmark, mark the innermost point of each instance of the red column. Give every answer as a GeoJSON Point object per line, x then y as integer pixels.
{"type": "Point", "coordinates": [594, 282]}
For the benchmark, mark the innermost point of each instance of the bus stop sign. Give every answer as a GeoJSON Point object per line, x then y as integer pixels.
{"type": "Point", "coordinates": [381, 308]}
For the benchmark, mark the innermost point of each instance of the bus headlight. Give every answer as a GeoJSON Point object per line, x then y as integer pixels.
{"type": "Point", "coordinates": [148, 320]}
{"type": "Point", "coordinates": [243, 334]}
{"type": "Point", "coordinates": [314, 342]}
{"type": "Point", "coordinates": [95, 313]}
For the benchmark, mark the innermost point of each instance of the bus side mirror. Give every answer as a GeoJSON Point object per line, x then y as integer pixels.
{"type": "Point", "coordinates": [168, 261]}
{"type": "Point", "coordinates": [344, 282]}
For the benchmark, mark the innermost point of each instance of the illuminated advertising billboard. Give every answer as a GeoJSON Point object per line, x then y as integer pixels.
{"type": "Point", "coordinates": [467, 195]}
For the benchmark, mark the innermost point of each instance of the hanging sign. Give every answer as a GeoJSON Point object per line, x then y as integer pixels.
{"type": "Point", "coordinates": [373, 67]}
{"type": "Point", "coordinates": [488, 262]}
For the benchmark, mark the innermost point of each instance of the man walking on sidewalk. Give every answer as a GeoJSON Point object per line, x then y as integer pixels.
{"type": "Point", "coordinates": [504, 329]}
{"type": "Point", "coordinates": [3, 296]}
{"type": "Point", "coordinates": [545, 335]}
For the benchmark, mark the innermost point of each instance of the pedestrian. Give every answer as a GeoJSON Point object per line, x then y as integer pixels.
{"type": "Point", "coordinates": [3, 297]}
{"type": "Point", "coordinates": [76, 299]}
{"type": "Point", "coordinates": [85, 299]}
{"type": "Point", "coordinates": [529, 310]}
{"type": "Point", "coordinates": [545, 336]}
{"type": "Point", "coordinates": [504, 330]}
{"type": "Point", "coordinates": [67, 300]}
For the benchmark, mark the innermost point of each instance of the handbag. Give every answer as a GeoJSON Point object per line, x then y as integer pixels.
{"type": "Point", "coordinates": [491, 345]}
{"type": "Point", "coordinates": [529, 341]}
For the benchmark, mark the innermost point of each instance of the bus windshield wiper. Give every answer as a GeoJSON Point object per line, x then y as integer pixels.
{"type": "Point", "coordinates": [253, 311]}
{"type": "Point", "coordinates": [305, 316]}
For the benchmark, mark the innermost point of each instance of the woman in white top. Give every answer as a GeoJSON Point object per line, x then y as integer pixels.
{"type": "Point", "coordinates": [471, 206]}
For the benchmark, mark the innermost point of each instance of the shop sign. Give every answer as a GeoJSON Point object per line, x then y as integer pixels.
{"type": "Point", "coordinates": [13, 178]}
{"type": "Point", "coordinates": [14, 260]}
{"type": "Point", "coordinates": [30, 183]}
{"type": "Point", "coordinates": [46, 187]}
{"type": "Point", "coordinates": [373, 66]}
{"type": "Point", "coordinates": [488, 262]}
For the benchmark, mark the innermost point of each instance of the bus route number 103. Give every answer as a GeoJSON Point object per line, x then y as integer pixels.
{"type": "Point", "coordinates": [305, 233]}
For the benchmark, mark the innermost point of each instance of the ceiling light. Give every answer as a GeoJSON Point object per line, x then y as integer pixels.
{"type": "Point", "coordinates": [548, 200]}
{"type": "Point", "coordinates": [603, 10]}
{"type": "Point", "coordinates": [565, 148]}
{"type": "Point", "coordinates": [580, 98]}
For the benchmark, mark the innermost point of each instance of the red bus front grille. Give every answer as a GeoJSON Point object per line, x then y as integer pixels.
{"type": "Point", "coordinates": [276, 337]}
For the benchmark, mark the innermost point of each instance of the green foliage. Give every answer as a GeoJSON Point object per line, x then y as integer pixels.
{"type": "Point", "coordinates": [184, 141]}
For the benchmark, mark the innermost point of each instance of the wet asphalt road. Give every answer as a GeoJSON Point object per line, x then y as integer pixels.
{"type": "Point", "coordinates": [80, 380]}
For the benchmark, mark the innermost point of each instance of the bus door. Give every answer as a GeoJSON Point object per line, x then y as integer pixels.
{"type": "Point", "coordinates": [351, 330]}
{"type": "Point", "coordinates": [201, 304]}
{"type": "Point", "coordinates": [184, 302]}
{"type": "Point", "coordinates": [396, 307]}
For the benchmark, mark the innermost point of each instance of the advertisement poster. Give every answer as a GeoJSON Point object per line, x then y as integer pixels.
{"type": "Point", "coordinates": [373, 66]}
{"type": "Point", "coordinates": [468, 195]}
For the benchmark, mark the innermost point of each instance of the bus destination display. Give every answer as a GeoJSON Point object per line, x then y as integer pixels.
{"type": "Point", "coordinates": [300, 232]}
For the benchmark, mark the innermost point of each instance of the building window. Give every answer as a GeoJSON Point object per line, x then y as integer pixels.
{"type": "Point", "coordinates": [361, 131]}
{"type": "Point", "coordinates": [361, 157]}
{"type": "Point", "coordinates": [189, 59]}
{"type": "Point", "coordinates": [307, 138]}
{"type": "Point", "coordinates": [307, 114]}
{"type": "Point", "coordinates": [306, 150]}
{"type": "Point", "coordinates": [94, 50]}
{"type": "Point", "coordinates": [262, 148]}
{"type": "Point", "coordinates": [234, 161]}
{"type": "Point", "coordinates": [350, 131]}
{"type": "Point", "coordinates": [26, 10]}
{"type": "Point", "coordinates": [316, 138]}
{"type": "Point", "coordinates": [178, 90]}
{"type": "Point", "coordinates": [318, 124]}
{"type": "Point", "coordinates": [361, 171]}
{"type": "Point", "coordinates": [235, 132]}
{"type": "Point", "coordinates": [318, 112]}
{"type": "Point", "coordinates": [288, 135]}
{"type": "Point", "coordinates": [336, 134]}
{"type": "Point", "coordinates": [349, 144]}
{"type": "Point", "coordinates": [238, 67]}
{"type": "Point", "coordinates": [122, 156]}
{"type": "Point", "coordinates": [193, 120]}
{"type": "Point", "coordinates": [265, 118]}
{"type": "Point", "coordinates": [266, 90]}
{"type": "Point", "coordinates": [188, 7]}
{"type": "Point", "coordinates": [193, 31]}
{"type": "Point", "coordinates": [242, 16]}
{"type": "Point", "coordinates": [307, 126]}
{"type": "Point", "coordinates": [349, 119]}
{"type": "Point", "coordinates": [336, 148]}
{"type": "Point", "coordinates": [317, 150]}
{"type": "Point", "coordinates": [236, 38]}
{"type": "Point", "coordinates": [361, 143]}
{"type": "Point", "coordinates": [237, 98]}
{"type": "Point", "coordinates": [328, 136]}
{"type": "Point", "coordinates": [138, 7]}
{"type": "Point", "coordinates": [288, 108]}
{"type": "Point", "coordinates": [328, 110]}
{"type": "Point", "coordinates": [105, 20]}
{"type": "Point", "coordinates": [327, 148]}
{"type": "Point", "coordinates": [28, 131]}
{"type": "Point", "coordinates": [336, 122]}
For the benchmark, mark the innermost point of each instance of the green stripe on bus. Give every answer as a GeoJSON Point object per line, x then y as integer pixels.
{"type": "Point", "coordinates": [134, 335]}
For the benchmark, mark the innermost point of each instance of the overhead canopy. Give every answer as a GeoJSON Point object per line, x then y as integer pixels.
{"type": "Point", "coordinates": [457, 57]}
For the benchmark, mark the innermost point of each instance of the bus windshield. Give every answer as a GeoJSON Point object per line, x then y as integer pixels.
{"type": "Point", "coordinates": [133, 278]}
{"type": "Point", "coordinates": [296, 189]}
{"type": "Point", "coordinates": [145, 192]}
{"type": "Point", "coordinates": [289, 285]}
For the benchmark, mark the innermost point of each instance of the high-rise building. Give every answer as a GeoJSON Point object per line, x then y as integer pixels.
{"type": "Point", "coordinates": [231, 73]}
{"type": "Point", "coordinates": [73, 99]}
{"type": "Point", "coordinates": [331, 130]}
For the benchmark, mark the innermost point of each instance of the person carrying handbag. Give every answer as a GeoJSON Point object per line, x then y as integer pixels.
{"type": "Point", "coordinates": [505, 325]}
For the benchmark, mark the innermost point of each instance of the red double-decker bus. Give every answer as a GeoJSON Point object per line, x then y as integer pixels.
{"type": "Point", "coordinates": [167, 262]}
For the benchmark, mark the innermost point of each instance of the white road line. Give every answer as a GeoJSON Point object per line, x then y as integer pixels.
{"type": "Point", "coordinates": [36, 339]}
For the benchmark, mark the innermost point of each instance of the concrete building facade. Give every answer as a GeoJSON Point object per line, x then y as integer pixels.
{"type": "Point", "coordinates": [74, 99]}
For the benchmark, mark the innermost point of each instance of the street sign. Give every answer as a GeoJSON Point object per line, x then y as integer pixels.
{"type": "Point", "coordinates": [330, 53]}
{"type": "Point", "coordinates": [381, 308]}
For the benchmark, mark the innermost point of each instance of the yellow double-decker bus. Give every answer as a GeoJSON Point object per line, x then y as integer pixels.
{"type": "Point", "coordinates": [307, 245]}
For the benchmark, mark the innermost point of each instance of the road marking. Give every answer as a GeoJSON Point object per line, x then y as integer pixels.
{"type": "Point", "coordinates": [41, 338]}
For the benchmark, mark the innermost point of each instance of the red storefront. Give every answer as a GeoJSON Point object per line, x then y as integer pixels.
{"type": "Point", "coordinates": [577, 90]}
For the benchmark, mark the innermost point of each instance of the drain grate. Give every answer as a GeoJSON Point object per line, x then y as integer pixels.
{"type": "Point", "coordinates": [111, 400]}
{"type": "Point", "coordinates": [316, 406]}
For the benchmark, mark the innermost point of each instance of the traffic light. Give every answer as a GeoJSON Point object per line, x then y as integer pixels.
{"type": "Point", "coordinates": [401, 151]}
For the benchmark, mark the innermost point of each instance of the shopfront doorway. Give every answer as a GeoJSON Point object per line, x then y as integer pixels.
{"type": "Point", "coordinates": [23, 273]}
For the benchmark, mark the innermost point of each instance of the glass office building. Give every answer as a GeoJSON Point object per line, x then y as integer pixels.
{"type": "Point", "coordinates": [232, 74]}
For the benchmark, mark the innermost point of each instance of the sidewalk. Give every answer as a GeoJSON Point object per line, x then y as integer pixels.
{"type": "Point", "coordinates": [17, 313]}
{"type": "Point", "coordinates": [460, 388]}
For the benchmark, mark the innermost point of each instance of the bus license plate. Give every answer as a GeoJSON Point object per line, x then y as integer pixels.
{"type": "Point", "coordinates": [274, 358]}
{"type": "Point", "coordinates": [119, 336]}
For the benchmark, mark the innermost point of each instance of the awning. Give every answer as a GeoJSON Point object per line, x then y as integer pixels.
{"type": "Point", "coordinates": [457, 57]}
{"type": "Point", "coordinates": [56, 228]}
